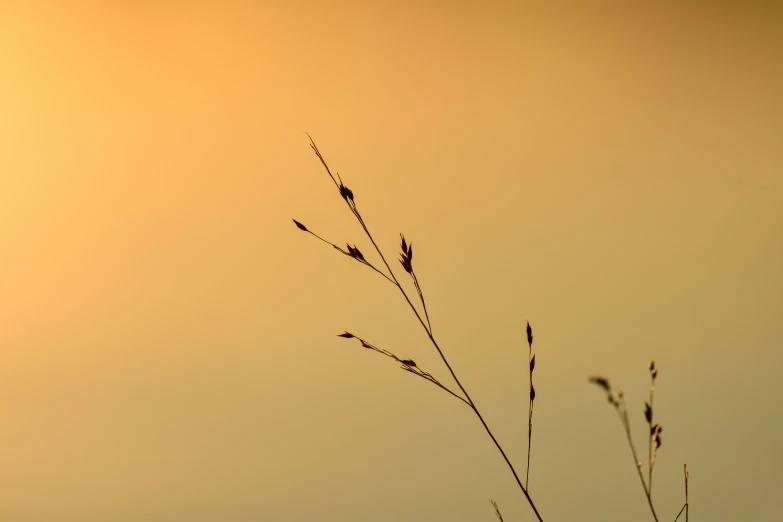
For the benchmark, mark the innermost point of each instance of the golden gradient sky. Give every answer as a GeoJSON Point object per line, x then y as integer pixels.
{"type": "Point", "coordinates": [167, 336]}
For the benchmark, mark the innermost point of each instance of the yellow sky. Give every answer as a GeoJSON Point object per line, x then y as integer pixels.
{"type": "Point", "coordinates": [167, 336]}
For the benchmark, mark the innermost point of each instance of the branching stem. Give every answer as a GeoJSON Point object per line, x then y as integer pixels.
{"type": "Point", "coordinates": [352, 206]}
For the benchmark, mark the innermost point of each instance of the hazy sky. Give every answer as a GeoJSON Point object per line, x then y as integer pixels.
{"type": "Point", "coordinates": [167, 336]}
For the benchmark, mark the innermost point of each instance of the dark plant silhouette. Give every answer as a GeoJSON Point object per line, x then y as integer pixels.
{"type": "Point", "coordinates": [408, 365]}
{"type": "Point", "coordinates": [617, 400]}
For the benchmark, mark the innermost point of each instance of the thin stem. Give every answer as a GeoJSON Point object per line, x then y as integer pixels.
{"type": "Point", "coordinates": [384, 275]}
{"type": "Point", "coordinates": [687, 504]}
{"type": "Point", "coordinates": [497, 510]}
{"type": "Point", "coordinates": [650, 439]}
{"type": "Point", "coordinates": [511, 467]}
{"type": "Point", "coordinates": [409, 366]}
{"type": "Point", "coordinates": [451, 370]}
{"type": "Point", "coordinates": [362, 261]}
{"type": "Point", "coordinates": [426, 376]}
{"type": "Point", "coordinates": [529, 416]}
{"type": "Point", "coordinates": [355, 211]}
{"type": "Point", "coordinates": [684, 506]}
{"type": "Point", "coordinates": [451, 392]}
{"type": "Point", "coordinates": [637, 463]}
{"type": "Point", "coordinates": [421, 296]}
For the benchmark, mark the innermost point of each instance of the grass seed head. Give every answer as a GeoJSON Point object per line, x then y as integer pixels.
{"type": "Point", "coordinates": [300, 226]}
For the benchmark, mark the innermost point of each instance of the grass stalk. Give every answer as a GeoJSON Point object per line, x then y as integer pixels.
{"type": "Point", "coordinates": [348, 197]}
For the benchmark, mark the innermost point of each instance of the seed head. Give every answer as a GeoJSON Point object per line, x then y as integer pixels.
{"type": "Point", "coordinates": [346, 193]}
{"type": "Point", "coordinates": [602, 382]}
{"type": "Point", "coordinates": [300, 226]}
{"type": "Point", "coordinates": [354, 252]}
{"type": "Point", "coordinates": [407, 255]}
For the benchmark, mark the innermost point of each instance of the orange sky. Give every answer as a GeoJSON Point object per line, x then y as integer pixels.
{"type": "Point", "coordinates": [168, 336]}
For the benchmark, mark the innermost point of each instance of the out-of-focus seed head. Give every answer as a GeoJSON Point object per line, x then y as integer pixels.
{"type": "Point", "coordinates": [600, 381]}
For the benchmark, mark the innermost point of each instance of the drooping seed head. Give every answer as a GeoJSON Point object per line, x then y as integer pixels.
{"type": "Point", "coordinates": [600, 381]}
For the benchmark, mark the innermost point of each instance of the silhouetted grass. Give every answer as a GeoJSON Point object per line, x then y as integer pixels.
{"type": "Point", "coordinates": [617, 400]}
{"type": "Point", "coordinates": [410, 366]}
